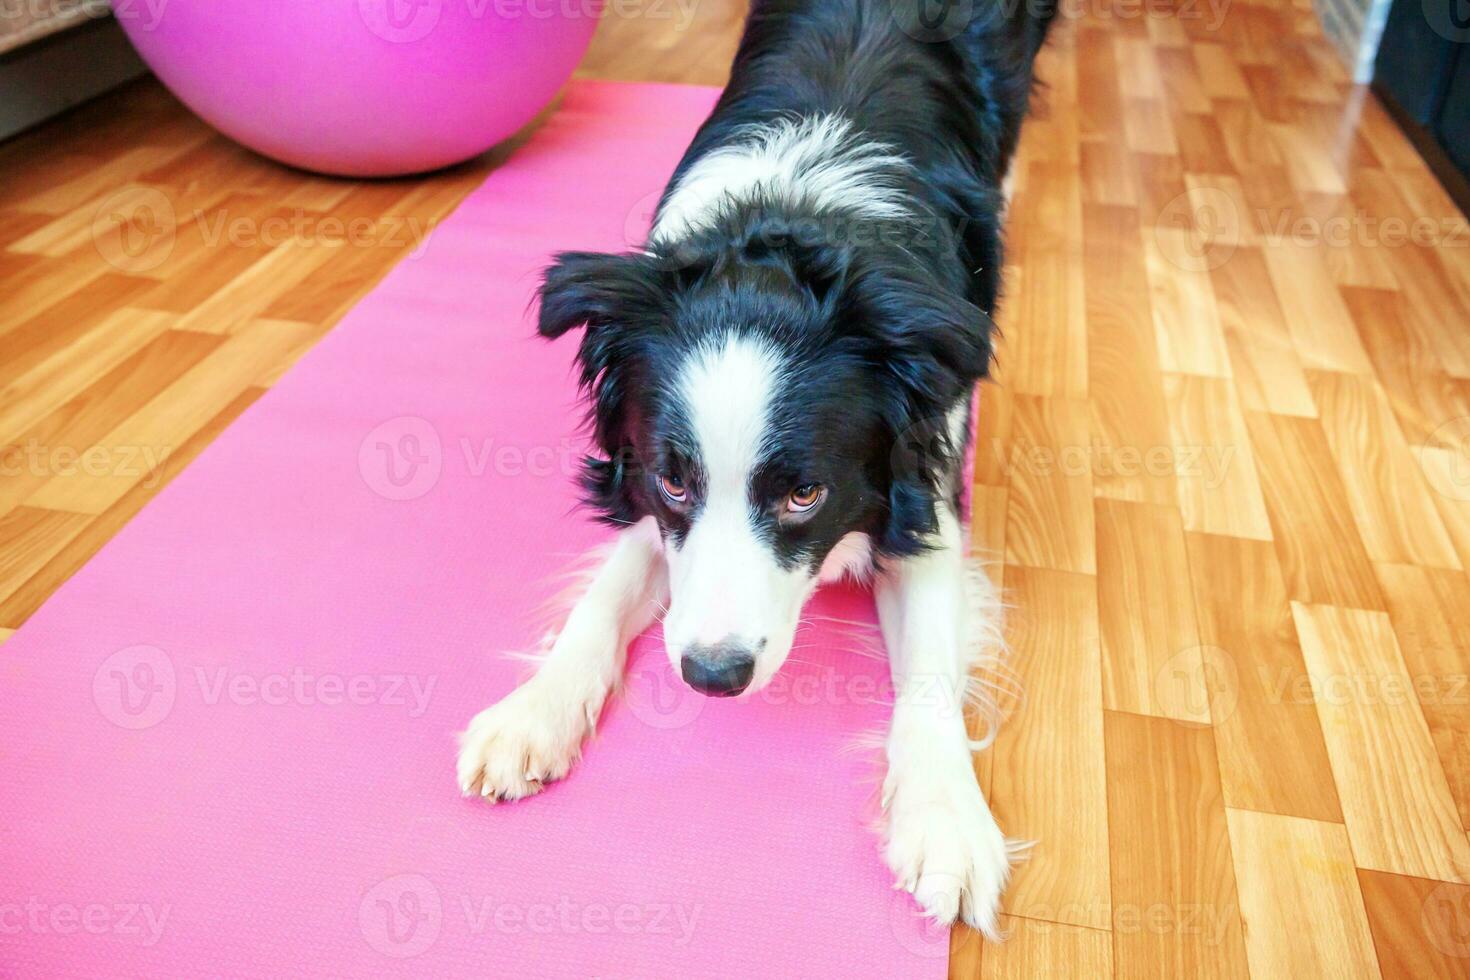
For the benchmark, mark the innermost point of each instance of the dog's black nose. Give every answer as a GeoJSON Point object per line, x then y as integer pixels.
{"type": "Point", "coordinates": [722, 670]}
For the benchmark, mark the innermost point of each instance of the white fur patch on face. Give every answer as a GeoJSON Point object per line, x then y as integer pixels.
{"type": "Point", "coordinates": [815, 159]}
{"type": "Point", "coordinates": [852, 558]}
{"type": "Point", "coordinates": [957, 421]}
{"type": "Point", "coordinates": [726, 584]}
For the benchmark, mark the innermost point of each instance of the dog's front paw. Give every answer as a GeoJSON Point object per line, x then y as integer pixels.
{"type": "Point", "coordinates": [946, 849]}
{"type": "Point", "coordinates": [530, 738]}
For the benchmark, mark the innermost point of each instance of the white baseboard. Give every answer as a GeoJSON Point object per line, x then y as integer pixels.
{"type": "Point", "coordinates": [50, 76]}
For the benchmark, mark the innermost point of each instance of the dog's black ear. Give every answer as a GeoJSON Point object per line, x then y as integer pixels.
{"type": "Point", "coordinates": [936, 344]}
{"type": "Point", "coordinates": [594, 289]}
{"type": "Point", "coordinates": [620, 300]}
{"type": "Point", "coordinates": [932, 347]}
{"type": "Point", "coordinates": [810, 251]}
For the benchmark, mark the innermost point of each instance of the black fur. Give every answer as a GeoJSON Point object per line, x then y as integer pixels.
{"type": "Point", "coordinates": [884, 327]}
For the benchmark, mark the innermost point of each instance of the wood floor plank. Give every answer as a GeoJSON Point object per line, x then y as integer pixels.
{"type": "Point", "coordinates": [1268, 95]}
{"type": "Point", "coordinates": [55, 380]}
{"type": "Point", "coordinates": [33, 456]}
{"type": "Point", "coordinates": [1423, 395]}
{"type": "Point", "coordinates": [29, 537]}
{"type": "Point", "coordinates": [1396, 517]}
{"type": "Point", "coordinates": [211, 222]}
{"type": "Point", "coordinates": [1218, 72]}
{"type": "Point", "coordinates": [169, 420]}
{"type": "Point", "coordinates": [1267, 369]}
{"type": "Point", "coordinates": [1260, 694]}
{"type": "Point", "coordinates": [1187, 324]}
{"type": "Point", "coordinates": [78, 543]}
{"type": "Point", "coordinates": [1221, 211]}
{"type": "Point", "coordinates": [1322, 557]}
{"type": "Point", "coordinates": [1049, 518]}
{"type": "Point", "coordinates": [1395, 799]}
{"type": "Point", "coordinates": [993, 436]}
{"type": "Point", "coordinates": [1147, 126]}
{"type": "Point", "coordinates": [1434, 305]}
{"type": "Point", "coordinates": [1179, 185]}
{"type": "Point", "coordinates": [1162, 190]}
{"type": "Point", "coordinates": [206, 257]}
{"type": "Point", "coordinates": [988, 526]}
{"type": "Point", "coordinates": [1354, 255]}
{"type": "Point", "coordinates": [1219, 490]}
{"type": "Point", "coordinates": [306, 336]}
{"type": "Point", "coordinates": [1271, 199]}
{"type": "Point", "coordinates": [102, 179]}
{"type": "Point", "coordinates": [272, 275]}
{"type": "Point", "coordinates": [61, 325]}
{"type": "Point", "coordinates": [1320, 324]}
{"type": "Point", "coordinates": [1059, 135]}
{"type": "Point", "coordinates": [47, 167]}
{"type": "Point", "coordinates": [1429, 297]}
{"type": "Point", "coordinates": [1286, 866]}
{"type": "Point", "coordinates": [1176, 913]}
{"type": "Point", "coordinates": [1430, 609]}
{"type": "Point", "coordinates": [1048, 345]}
{"type": "Point", "coordinates": [1130, 421]}
{"type": "Point", "coordinates": [1150, 638]}
{"type": "Point", "coordinates": [1048, 781]}
{"type": "Point", "coordinates": [1202, 146]}
{"type": "Point", "coordinates": [1183, 86]}
{"type": "Point", "coordinates": [1138, 68]}
{"type": "Point", "coordinates": [1447, 471]}
{"type": "Point", "coordinates": [1379, 129]}
{"type": "Point", "coordinates": [1311, 166]}
{"type": "Point", "coordinates": [1419, 926]}
{"type": "Point", "coordinates": [1098, 98]}
{"type": "Point", "coordinates": [72, 230]}
{"type": "Point", "coordinates": [1248, 137]}
{"type": "Point", "coordinates": [1046, 949]}
{"type": "Point", "coordinates": [1108, 176]}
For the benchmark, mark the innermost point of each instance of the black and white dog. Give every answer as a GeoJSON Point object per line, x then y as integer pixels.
{"type": "Point", "coordinates": [781, 388]}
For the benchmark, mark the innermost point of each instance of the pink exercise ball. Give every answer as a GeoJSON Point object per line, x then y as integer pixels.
{"type": "Point", "coordinates": [363, 88]}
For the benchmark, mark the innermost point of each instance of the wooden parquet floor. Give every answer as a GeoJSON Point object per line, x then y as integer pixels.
{"type": "Point", "coordinates": [1224, 470]}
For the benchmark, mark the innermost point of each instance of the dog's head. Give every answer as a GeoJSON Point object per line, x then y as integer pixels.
{"type": "Point", "coordinates": [777, 408]}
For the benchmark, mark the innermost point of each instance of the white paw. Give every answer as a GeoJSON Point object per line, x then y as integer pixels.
{"type": "Point", "coordinates": [945, 848]}
{"type": "Point", "coordinates": [528, 739]}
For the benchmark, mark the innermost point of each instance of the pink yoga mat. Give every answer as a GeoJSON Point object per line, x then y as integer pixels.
{"type": "Point", "coordinates": [227, 745]}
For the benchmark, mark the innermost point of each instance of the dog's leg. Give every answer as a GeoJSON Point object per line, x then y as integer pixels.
{"type": "Point", "coordinates": [534, 735]}
{"type": "Point", "coordinates": [941, 839]}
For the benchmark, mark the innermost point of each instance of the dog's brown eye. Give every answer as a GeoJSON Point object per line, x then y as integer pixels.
{"type": "Point", "coordinates": [673, 488]}
{"type": "Point", "coordinates": [804, 498]}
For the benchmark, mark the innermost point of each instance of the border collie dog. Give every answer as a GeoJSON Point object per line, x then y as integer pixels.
{"type": "Point", "coordinates": [780, 385]}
